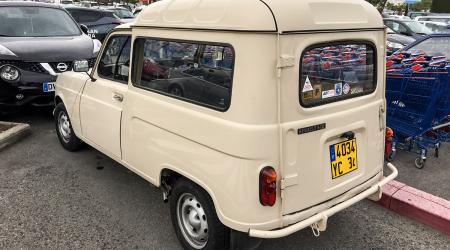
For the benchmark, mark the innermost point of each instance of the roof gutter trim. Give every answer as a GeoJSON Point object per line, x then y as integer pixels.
{"type": "Point", "coordinates": [273, 15]}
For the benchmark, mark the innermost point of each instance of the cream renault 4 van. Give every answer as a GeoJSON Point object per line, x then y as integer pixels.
{"type": "Point", "coordinates": [255, 118]}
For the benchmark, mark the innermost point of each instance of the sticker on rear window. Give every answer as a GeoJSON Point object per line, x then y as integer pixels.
{"type": "Point", "coordinates": [307, 87]}
{"type": "Point", "coordinates": [328, 94]}
{"type": "Point", "coordinates": [346, 89]}
{"type": "Point", "coordinates": [338, 89]}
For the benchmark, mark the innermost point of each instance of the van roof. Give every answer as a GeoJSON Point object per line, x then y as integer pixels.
{"type": "Point", "coordinates": [283, 16]}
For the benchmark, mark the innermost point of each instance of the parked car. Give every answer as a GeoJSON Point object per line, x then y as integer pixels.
{"type": "Point", "coordinates": [37, 42]}
{"type": "Point", "coordinates": [440, 19]}
{"type": "Point", "coordinates": [265, 144]}
{"type": "Point", "coordinates": [414, 14]}
{"type": "Point", "coordinates": [401, 17]}
{"type": "Point", "coordinates": [66, 2]}
{"type": "Point", "coordinates": [124, 14]}
{"type": "Point", "coordinates": [407, 27]}
{"type": "Point", "coordinates": [99, 22]}
{"type": "Point", "coordinates": [437, 27]}
{"type": "Point", "coordinates": [89, 4]}
{"type": "Point", "coordinates": [396, 41]}
{"type": "Point", "coordinates": [431, 45]}
{"type": "Point", "coordinates": [126, 6]}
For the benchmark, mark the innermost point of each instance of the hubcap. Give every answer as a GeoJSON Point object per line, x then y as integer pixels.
{"type": "Point", "coordinates": [192, 221]}
{"type": "Point", "coordinates": [64, 126]}
{"type": "Point", "coordinates": [176, 91]}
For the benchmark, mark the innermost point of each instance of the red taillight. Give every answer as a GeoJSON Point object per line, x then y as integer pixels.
{"type": "Point", "coordinates": [388, 143]}
{"type": "Point", "coordinates": [267, 186]}
{"type": "Point", "coordinates": [389, 134]}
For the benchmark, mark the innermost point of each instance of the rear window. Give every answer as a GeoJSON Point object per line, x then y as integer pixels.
{"type": "Point", "coordinates": [334, 72]}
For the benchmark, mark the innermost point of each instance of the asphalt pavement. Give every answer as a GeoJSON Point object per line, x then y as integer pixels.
{"type": "Point", "coordinates": [54, 199]}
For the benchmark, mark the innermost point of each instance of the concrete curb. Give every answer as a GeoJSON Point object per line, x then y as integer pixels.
{"type": "Point", "coordinates": [14, 134]}
{"type": "Point", "coordinates": [417, 205]}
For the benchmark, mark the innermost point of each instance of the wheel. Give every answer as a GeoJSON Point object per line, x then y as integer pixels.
{"type": "Point", "coordinates": [176, 91]}
{"type": "Point", "coordinates": [419, 162]}
{"type": "Point", "coordinates": [194, 218]}
{"type": "Point", "coordinates": [64, 130]}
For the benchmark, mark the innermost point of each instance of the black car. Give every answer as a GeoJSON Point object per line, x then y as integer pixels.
{"type": "Point", "coordinates": [124, 14]}
{"type": "Point", "coordinates": [99, 22]}
{"type": "Point", "coordinates": [407, 27]}
{"type": "Point", "coordinates": [436, 45]}
{"type": "Point", "coordinates": [37, 42]}
{"type": "Point", "coordinates": [396, 41]}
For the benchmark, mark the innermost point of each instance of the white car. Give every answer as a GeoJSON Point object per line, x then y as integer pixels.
{"type": "Point", "coordinates": [252, 127]}
{"type": "Point", "coordinates": [437, 27]}
{"type": "Point", "coordinates": [440, 19]}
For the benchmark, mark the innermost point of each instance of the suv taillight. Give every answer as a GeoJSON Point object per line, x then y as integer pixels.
{"type": "Point", "coordinates": [267, 186]}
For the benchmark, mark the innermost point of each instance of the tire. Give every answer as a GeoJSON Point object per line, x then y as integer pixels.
{"type": "Point", "coordinates": [199, 228]}
{"type": "Point", "coordinates": [419, 163]}
{"type": "Point", "coordinates": [176, 91]}
{"type": "Point", "coordinates": [66, 135]}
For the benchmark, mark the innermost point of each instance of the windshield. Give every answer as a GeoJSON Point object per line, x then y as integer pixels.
{"type": "Point", "coordinates": [435, 46]}
{"type": "Point", "coordinates": [36, 22]}
{"type": "Point", "coordinates": [123, 14]}
{"type": "Point", "coordinates": [418, 28]}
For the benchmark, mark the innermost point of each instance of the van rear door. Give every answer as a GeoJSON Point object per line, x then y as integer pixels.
{"type": "Point", "coordinates": [332, 116]}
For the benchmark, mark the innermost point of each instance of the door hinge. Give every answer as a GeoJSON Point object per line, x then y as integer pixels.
{"type": "Point", "coordinates": [382, 118]}
{"type": "Point", "coordinates": [289, 180]}
{"type": "Point", "coordinates": [286, 61]}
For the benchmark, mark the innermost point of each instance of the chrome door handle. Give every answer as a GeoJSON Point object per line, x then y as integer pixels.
{"type": "Point", "coordinates": [118, 97]}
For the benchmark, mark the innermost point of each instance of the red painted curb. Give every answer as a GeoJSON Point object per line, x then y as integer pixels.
{"type": "Point", "coordinates": [417, 205]}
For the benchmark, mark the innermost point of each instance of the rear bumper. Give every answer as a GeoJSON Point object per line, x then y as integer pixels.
{"type": "Point", "coordinates": [319, 220]}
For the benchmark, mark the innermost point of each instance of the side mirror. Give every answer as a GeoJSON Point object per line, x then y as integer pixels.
{"type": "Point", "coordinates": [81, 66]}
{"type": "Point", "coordinates": [84, 28]}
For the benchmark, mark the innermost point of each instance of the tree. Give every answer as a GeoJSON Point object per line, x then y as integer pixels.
{"type": "Point", "coordinates": [379, 4]}
{"type": "Point", "coordinates": [424, 5]}
{"type": "Point", "coordinates": [440, 6]}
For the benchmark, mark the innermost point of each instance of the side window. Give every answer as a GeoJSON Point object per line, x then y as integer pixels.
{"type": "Point", "coordinates": [115, 60]}
{"type": "Point", "coordinates": [196, 72]}
{"type": "Point", "coordinates": [402, 29]}
{"type": "Point", "coordinates": [395, 26]}
{"type": "Point", "coordinates": [390, 24]}
{"type": "Point", "coordinates": [336, 71]}
{"type": "Point", "coordinates": [75, 15]}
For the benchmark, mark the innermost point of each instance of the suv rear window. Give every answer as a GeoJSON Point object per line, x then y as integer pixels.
{"type": "Point", "coordinates": [333, 72]}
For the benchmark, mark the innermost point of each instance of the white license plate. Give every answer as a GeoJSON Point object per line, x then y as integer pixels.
{"type": "Point", "coordinates": [48, 87]}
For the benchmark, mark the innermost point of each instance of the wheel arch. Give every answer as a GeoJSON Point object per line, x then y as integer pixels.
{"type": "Point", "coordinates": [169, 175]}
